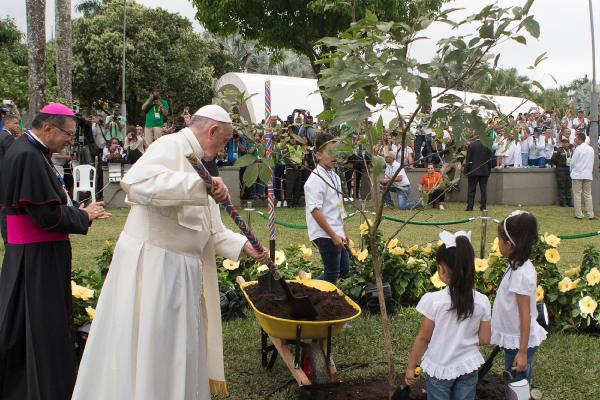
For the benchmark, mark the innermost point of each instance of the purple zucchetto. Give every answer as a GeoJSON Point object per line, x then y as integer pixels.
{"type": "Point", "coordinates": [57, 109]}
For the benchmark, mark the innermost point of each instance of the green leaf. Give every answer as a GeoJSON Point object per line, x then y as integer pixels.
{"type": "Point", "coordinates": [538, 85]}
{"type": "Point", "coordinates": [250, 175]}
{"type": "Point", "coordinates": [487, 31]}
{"type": "Point", "coordinates": [520, 39]}
{"type": "Point", "coordinates": [527, 7]}
{"type": "Point", "coordinates": [387, 96]}
{"type": "Point", "coordinates": [532, 26]}
{"type": "Point", "coordinates": [540, 58]}
{"type": "Point", "coordinates": [245, 160]}
{"type": "Point", "coordinates": [496, 60]}
{"type": "Point", "coordinates": [264, 173]}
{"type": "Point", "coordinates": [487, 104]}
{"type": "Point", "coordinates": [378, 165]}
{"type": "Point", "coordinates": [449, 98]}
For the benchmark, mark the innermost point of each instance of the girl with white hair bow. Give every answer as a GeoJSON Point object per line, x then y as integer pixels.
{"type": "Point", "coordinates": [456, 321]}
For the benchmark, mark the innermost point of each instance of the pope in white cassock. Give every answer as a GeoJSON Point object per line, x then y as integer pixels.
{"type": "Point", "coordinates": [157, 330]}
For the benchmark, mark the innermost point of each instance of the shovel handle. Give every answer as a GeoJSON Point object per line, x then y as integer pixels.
{"type": "Point", "coordinates": [237, 218]}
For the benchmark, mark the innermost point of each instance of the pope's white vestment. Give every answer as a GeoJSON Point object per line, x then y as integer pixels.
{"type": "Point", "coordinates": [157, 330]}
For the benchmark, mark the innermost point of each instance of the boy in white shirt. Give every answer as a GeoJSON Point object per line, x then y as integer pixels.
{"type": "Point", "coordinates": [325, 212]}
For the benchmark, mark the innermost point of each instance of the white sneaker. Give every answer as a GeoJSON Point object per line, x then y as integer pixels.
{"type": "Point", "coordinates": [346, 199]}
{"type": "Point", "coordinates": [442, 207]}
{"type": "Point", "coordinates": [278, 204]}
{"type": "Point", "coordinates": [285, 203]}
{"type": "Point", "coordinates": [351, 198]}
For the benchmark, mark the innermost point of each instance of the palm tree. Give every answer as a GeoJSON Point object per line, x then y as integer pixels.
{"type": "Point", "coordinates": [36, 48]}
{"type": "Point", "coordinates": [64, 51]}
{"type": "Point", "coordinates": [89, 8]}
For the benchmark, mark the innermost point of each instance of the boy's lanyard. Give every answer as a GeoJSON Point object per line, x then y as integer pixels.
{"type": "Point", "coordinates": [41, 148]}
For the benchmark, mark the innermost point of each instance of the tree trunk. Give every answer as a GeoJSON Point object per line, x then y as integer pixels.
{"type": "Point", "coordinates": [36, 48]}
{"type": "Point", "coordinates": [64, 52]}
{"type": "Point", "coordinates": [312, 57]}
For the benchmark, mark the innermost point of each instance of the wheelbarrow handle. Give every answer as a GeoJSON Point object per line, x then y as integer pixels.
{"type": "Point", "coordinates": [237, 218]}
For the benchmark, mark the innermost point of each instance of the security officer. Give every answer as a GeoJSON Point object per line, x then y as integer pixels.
{"type": "Point", "coordinates": [562, 159]}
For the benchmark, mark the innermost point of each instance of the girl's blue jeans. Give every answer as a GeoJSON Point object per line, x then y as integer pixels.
{"type": "Point", "coordinates": [509, 358]}
{"type": "Point", "coordinates": [461, 388]}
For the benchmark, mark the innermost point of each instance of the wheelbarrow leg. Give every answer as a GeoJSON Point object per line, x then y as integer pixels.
{"type": "Point", "coordinates": [328, 354]}
{"type": "Point", "coordinates": [297, 347]}
{"type": "Point", "coordinates": [265, 349]}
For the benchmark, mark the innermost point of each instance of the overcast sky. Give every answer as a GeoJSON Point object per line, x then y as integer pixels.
{"type": "Point", "coordinates": [565, 34]}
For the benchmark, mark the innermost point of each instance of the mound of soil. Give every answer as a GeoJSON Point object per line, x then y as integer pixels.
{"type": "Point", "coordinates": [490, 388]}
{"type": "Point", "coordinates": [329, 305]}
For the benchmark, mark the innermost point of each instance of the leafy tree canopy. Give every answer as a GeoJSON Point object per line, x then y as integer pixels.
{"type": "Point", "coordinates": [163, 52]}
{"type": "Point", "coordinates": [299, 24]}
{"type": "Point", "coordinates": [13, 63]}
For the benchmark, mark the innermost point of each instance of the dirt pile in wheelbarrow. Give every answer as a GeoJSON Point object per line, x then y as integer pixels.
{"type": "Point", "coordinates": [329, 305]}
{"type": "Point", "coordinates": [490, 388]}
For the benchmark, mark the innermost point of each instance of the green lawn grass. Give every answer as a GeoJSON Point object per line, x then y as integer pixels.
{"type": "Point", "coordinates": [567, 366]}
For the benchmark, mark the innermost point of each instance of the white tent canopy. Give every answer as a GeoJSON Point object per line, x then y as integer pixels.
{"type": "Point", "coordinates": [289, 93]}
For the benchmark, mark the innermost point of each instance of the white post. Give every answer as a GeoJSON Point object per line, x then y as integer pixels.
{"type": "Point", "coordinates": [123, 106]}
{"type": "Point", "coordinates": [594, 119]}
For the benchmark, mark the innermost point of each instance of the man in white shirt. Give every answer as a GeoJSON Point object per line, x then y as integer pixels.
{"type": "Point", "coordinates": [582, 167]}
{"type": "Point", "coordinates": [580, 122]}
{"type": "Point", "coordinates": [537, 147]}
{"type": "Point", "coordinates": [325, 212]}
{"type": "Point", "coordinates": [400, 186]}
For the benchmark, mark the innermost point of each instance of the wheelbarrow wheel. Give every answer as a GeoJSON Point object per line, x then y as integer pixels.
{"type": "Point", "coordinates": [314, 363]}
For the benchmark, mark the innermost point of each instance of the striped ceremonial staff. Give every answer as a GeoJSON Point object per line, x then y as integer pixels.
{"type": "Point", "coordinates": [269, 156]}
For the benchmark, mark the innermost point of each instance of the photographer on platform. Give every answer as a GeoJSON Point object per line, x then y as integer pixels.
{"type": "Point", "coordinates": [156, 110]}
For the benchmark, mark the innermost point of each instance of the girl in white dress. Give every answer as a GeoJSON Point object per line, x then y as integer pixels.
{"type": "Point", "coordinates": [456, 321]}
{"type": "Point", "coordinates": [514, 325]}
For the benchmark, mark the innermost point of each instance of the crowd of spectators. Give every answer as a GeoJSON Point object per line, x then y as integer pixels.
{"type": "Point", "coordinates": [535, 139]}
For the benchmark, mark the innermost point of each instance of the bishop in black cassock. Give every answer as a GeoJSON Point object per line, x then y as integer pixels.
{"type": "Point", "coordinates": [37, 359]}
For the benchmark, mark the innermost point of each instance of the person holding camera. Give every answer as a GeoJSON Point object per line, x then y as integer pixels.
{"type": "Point", "coordinates": [115, 124]}
{"type": "Point", "coordinates": [113, 153]}
{"type": "Point", "coordinates": [134, 144]}
{"type": "Point", "coordinates": [156, 110]}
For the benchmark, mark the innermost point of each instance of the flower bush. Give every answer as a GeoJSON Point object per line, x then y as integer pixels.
{"type": "Point", "coordinates": [571, 297]}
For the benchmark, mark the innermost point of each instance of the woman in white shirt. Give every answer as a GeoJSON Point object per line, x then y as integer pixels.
{"type": "Point", "coordinates": [456, 321]}
{"type": "Point", "coordinates": [537, 147]}
{"type": "Point", "coordinates": [113, 153]}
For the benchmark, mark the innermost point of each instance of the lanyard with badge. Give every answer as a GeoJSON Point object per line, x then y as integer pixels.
{"type": "Point", "coordinates": [568, 156]}
{"type": "Point", "coordinates": [338, 191]}
{"type": "Point", "coordinates": [156, 112]}
{"type": "Point", "coordinates": [38, 146]}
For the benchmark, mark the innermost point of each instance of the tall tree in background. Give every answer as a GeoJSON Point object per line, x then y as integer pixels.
{"type": "Point", "coordinates": [36, 47]}
{"type": "Point", "coordinates": [298, 24]}
{"type": "Point", "coordinates": [89, 8]}
{"type": "Point", "coordinates": [64, 51]}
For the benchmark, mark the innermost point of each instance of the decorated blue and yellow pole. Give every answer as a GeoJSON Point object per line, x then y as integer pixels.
{"type": "Point", "coordinates": [269, 156]}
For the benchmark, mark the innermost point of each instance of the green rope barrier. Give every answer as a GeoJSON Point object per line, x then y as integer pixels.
{"type": "Point", "coordinates": [579, 235]}
{"type": "Point", "coordinates": [295, 226]}
{"type": "Point", "coordinates": [454, 222]}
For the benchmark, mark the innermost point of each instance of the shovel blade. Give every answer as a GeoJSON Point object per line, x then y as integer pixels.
{"type": "Point", "coordinates": [302, 308]}
{"type": "Point", "coordinates": [401, 393]}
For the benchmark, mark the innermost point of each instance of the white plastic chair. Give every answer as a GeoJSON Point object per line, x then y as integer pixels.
{"type": "Point", "coordinates": [84, 177]}
{"type": "Point", "coordinates": [114, 172]}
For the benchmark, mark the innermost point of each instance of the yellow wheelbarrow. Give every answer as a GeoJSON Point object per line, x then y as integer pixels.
{"type": "Point", "coordinates": [311, 364]}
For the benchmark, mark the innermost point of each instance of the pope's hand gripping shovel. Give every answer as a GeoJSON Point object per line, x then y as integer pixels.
{"type": "Point", "coordinates": [301, 307]}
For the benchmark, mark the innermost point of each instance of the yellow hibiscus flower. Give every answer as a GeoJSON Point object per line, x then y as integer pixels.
{"type": "Point", "coordinates": [552, 240]}
{"type": "Point", "coordinates": [362, 255]}
{"type": "Point", "coordinates": [573, 271]}
{"type": "Point", "coordinates": [81, 292]}
{"type": "Point", "coordinates": [593, 277]}
{"type": "Point", "coordinates": [397, 251]}
{"type": "Point", "coordinates": [539, 294]}
{"type": "Point", "coordinates": [90, 312]}
{"type": "Point", "coordinates": [279, 257]}
{"type": "Point", "coordinates": [440, 242]}
{"type": "Point", "coordinates": [437, 282]}
{"type": "Point", "coordinates": [587, 305]}
{"type": "Point", "coordinates": [427, 249]}
{"type": "Point", "coordinates": [567, 284]}
{"type": "Point", "coordinates": [350, 243]}
{"type": "Point", "coordinates": [495, 245]}
{"type": "Point", "coordinates": [306, 252]}
{"type": "Point", "coordinates": [364, 228]}
{"type": "Point", "coordinates": [552, 256]}
{"type": "Point", "coordinates": [392, 243]}
{"type": "Point", "coordinates": [481, 264]}
{"type": "Point", "coordinates": [230, 265]}
{"type": "Point", "coordinates": [411, 262]}
{"type": "Point", "coordinates": [411, 250]}
{"type": "Point", "coordinates": [262, 268]}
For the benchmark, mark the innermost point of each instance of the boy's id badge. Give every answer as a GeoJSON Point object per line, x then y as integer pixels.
{"type": "Point", "coordinates": [157, 115]}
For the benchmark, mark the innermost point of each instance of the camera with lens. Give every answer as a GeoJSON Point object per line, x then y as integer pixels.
{"type": "Point", "coordinates": [155, 97]}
